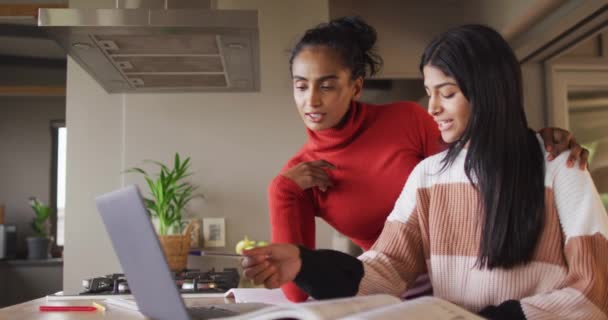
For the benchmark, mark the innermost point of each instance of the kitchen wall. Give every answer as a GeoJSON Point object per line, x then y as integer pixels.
{"type": "Point", "coordinates": [513, 17]}
{"type": "Point", "coordinates": [237, 142]}
{"type": "Point", "coordinates": [406, 26]}
{"type": "Point", "coordinates": [386, 91]}
{"type": "Point", "coordinates": [25, 164]}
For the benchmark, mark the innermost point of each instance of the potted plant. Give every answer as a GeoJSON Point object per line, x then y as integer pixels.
{"type": "Point", "coordinates": [169, 195]}
{"type": "Point", "coordinates": [38, 245]}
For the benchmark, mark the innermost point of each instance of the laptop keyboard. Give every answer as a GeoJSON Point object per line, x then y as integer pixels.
{"type": "Point", "coordinates": [209, 312]}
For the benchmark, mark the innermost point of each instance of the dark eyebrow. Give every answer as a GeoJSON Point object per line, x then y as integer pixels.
{"type": "Point", "coordinates": [441, 85]}
{"type": "Point", "coordinates": [321, 79]}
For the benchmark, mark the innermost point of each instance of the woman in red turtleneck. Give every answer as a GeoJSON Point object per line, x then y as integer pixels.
{"type": "Point", "coordinates": [358, 156]}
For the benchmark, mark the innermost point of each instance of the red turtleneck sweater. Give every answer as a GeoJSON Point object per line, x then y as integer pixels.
{"type": "Point", "coordinates": [374, 151]}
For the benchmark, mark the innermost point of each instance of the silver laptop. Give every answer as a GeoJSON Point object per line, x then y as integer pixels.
{"type": "Point", "coordinates": [140, 255]}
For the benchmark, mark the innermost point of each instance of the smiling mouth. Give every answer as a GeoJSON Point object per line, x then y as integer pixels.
{"type": "Point", "coordinates": [445, 124]}
{"type": "Point", "coordinates": [315, 116]}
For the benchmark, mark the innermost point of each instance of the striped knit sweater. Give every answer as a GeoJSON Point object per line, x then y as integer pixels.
{"type": "Point", "coordinates": [434, 228]}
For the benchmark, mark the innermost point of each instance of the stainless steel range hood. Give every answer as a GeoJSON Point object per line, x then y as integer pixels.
{"type": "Point", "coordinates": [159, 48]}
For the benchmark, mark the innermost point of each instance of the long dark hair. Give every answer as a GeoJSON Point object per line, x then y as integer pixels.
{"type": "Point", "coordinates": [352, 38]}
{"type": "Point", "coordinates": [503, 154]}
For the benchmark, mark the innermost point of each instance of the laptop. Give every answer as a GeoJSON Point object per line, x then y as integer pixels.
{"type": "Point", "coordinates": [139, 252]}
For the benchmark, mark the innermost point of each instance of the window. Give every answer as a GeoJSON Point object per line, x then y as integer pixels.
{"type": "Point", "coordinates": [59, 176]}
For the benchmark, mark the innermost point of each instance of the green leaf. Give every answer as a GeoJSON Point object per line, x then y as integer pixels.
{"type": "Point", "coordinates": [170, 192]}
{"type": "Point", "coordinates": [42, 212]}
{"type": "Point", "coordinates": [176, 160]}
{"type": "Point", "coordinates": [137, 170]}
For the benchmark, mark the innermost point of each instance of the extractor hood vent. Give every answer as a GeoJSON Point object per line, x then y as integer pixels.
{"type": "Point", "coordinates": [161, 50]}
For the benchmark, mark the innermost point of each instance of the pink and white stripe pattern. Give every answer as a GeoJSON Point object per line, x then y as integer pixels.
{"type": "Point", "coordinates": [434, 228]}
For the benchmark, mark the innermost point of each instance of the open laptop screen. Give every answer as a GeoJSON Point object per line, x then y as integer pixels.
{"type": "Point", "coordinates": [140, 254]}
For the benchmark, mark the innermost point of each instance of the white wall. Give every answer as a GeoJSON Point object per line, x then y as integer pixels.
{"type": "Point", "coordinates": [237, 142]}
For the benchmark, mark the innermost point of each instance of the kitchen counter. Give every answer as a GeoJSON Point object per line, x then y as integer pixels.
{"type": "Point", "coordinates": [29, 310]}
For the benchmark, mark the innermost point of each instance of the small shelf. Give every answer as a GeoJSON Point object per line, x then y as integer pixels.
{"type": "Point", "coordinates": [26, 10]}
{"type": "Point", "coordinates": [42, 91]}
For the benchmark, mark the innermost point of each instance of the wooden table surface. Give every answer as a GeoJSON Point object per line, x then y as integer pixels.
{"type": "Point", "coordinates": [29, 310]}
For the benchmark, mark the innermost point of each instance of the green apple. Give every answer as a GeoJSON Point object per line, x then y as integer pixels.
{"type": "Point", "coordinates": [244, 244]}
{"type": "Point", "coordinates": [261, 244]}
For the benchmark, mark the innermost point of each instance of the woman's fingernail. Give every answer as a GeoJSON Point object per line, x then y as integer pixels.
{"type": "Point", "coordinates": [549, 148]}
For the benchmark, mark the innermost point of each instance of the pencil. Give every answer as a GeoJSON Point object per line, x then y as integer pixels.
{"type": "Point", "coordinates": [99, 306]}
{"type": "Point", "coordinates": [67, 308]}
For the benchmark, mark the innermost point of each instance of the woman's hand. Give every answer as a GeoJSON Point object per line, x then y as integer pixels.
{"type": "Point", "coordinates": [272, 265]}
{"type": "Point", "coordinates": [310, 174]}
{"type": "Point", "coordinates": [559, 140]}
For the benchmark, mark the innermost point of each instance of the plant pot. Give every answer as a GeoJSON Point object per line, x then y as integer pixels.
{"type": "Point", "coordinates": [38, 248]}
{"type": "Point", "coordinates": [176, 248]}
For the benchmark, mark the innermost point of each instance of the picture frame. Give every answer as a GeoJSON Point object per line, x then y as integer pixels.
{"type": "Point", "coordinates": [214, 232]}
{"type": "Point", "coordinates": [195, 231]}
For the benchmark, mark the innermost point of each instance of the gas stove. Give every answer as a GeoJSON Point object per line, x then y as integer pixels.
{"type": "Point", "coordinates": [187, 281]}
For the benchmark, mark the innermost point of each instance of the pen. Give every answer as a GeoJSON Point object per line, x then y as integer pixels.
{"type": "Point", "coordinates": [216, 254]}
{"type": "Point", "coordinates": [68, 308]}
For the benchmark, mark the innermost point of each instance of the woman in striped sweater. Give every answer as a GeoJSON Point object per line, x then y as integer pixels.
{"type": "Point", "coordinates": [499, 229]}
